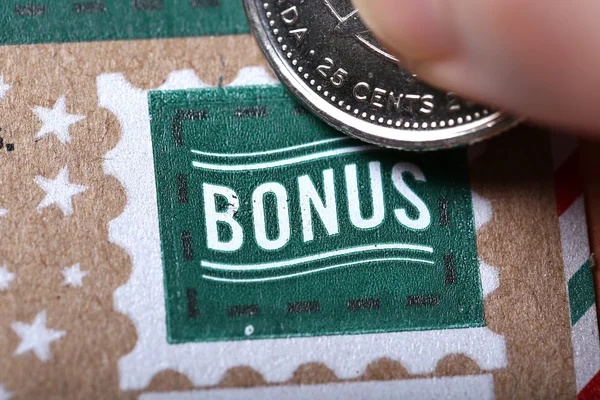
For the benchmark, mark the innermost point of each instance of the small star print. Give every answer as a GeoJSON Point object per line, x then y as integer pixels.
{"type": "Point", "coordinates": [73, 276]}
{"type": "Point", "coordinates": [36, 337]}
{"type": "Point", "coordinates": [59, 191]}
{"type": "Point", "coordinates": [4, 88]}
{"type": "Point", "coordinates": [5, 278]}
{"type": "Point", "coordinates": [56, 120]}
{"type": "Point", "coordinates": [5, 394]}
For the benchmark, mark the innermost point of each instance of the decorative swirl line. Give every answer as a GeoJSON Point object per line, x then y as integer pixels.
{"type": "Point", "coordinates": [268, 152]}
{"type": "Point", "coordinates": [315, 257]}
{"type": "Point", "coordinates": [314, 271]}
{"type": "Point", "coordinates": [285, 162]}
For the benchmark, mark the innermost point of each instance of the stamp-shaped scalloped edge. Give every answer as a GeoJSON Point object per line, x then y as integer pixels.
{"type": "Point", "coordinates": [142, 297]}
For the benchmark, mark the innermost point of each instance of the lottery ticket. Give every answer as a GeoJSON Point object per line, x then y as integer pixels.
{"type": "Point", "coordinates": [175, 225]}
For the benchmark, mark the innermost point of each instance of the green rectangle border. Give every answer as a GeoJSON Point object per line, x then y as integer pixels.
{"type": "Point", "coordinates": [173, 105]}
{"type": "Point", "coordinates": [62, 21]}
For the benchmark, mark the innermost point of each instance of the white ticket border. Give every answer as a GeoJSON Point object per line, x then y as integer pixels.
{"type": "Point", "coordinates": [142, 297]}
{"type": "Point", "coordinates": [472, 387]}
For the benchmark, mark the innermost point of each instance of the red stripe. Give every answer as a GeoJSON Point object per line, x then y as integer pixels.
{"type": "Point", "coordinates": [591, 391]}
{"type": "Point", "coordinates": [568, 184]}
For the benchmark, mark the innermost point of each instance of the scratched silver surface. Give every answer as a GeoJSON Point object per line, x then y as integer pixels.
{"type": "Point", "coordinates": [328, 59]}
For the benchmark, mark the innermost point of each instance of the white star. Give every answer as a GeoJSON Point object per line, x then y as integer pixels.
{"type": "Point", "coordinates": [5, 394]}
{"type": "Point", "coordinates": [59, 191]}
{"type": "Point", "coordinates": [36, 337]}
{"type": "Point", "coordinates": [56, 120]}
{"type": "Point", "coordinates": [4, 88]}
{"type": "Point", "coordinates": [3, 212]}
{"type": "Point", "coordinates": [5, 279]}
{"type": "Point", "coordinates": [74, 276]}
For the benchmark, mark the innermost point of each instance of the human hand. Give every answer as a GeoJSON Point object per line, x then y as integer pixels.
{"type": "Point", "coordinates": [535, 58]}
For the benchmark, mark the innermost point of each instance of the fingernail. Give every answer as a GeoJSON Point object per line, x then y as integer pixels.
{"type": "Point", "coordinates": [411, 29]}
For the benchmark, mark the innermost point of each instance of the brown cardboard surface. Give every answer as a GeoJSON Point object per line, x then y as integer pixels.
{"type": "Point", "coordinates": [38, 245]}
{"type": "Point", "coordinates": [530, 307]}
{"type": "Point", "coordinates": [518, 181]}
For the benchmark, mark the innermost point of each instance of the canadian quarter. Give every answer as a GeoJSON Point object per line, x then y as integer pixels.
{"type": "Point", "coordinates": [326, 57]}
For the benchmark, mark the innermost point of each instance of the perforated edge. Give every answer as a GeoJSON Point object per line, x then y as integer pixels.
{"type": "Point", "coordinates": [142, 298]}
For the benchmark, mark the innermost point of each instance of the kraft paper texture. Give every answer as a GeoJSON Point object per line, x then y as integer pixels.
{"type": "Point", "coordinates": [66, 278]}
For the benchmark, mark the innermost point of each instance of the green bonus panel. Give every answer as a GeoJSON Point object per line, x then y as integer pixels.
{"type": "Point", "coordinates": [274, 225]}
{"type": "Point", "coordinates": [52, 21]}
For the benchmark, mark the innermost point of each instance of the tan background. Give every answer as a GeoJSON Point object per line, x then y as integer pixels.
{"type": "Point", "coordinates": [515, 173]}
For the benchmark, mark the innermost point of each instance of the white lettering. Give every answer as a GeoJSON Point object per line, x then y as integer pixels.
{"type": "Point", "coordinates": [327, 212]}
{"type": "Point", "coordinates": [213, 217]}
{"type": "Point", "coordinates": [424, 218]}
{"type": "Point", "coordinates": [282, 216]}
{"type": "Point", "coordinates": [376, 192]}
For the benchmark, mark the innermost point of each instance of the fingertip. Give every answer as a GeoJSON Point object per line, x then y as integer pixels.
{"type": "Point", "coordinates": [409, 29]}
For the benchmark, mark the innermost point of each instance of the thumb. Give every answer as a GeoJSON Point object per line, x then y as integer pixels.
{"type": "Point", "coordinates": [537, 59]}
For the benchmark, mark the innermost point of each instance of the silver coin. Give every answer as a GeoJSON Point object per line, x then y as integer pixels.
{"type": "Point", "coordinates": [326, 57]}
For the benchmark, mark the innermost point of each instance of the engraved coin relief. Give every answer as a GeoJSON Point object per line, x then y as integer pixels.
{"type": "Point", "coordinates": [350, 25]}
{"type": "Point", "coordinates": [323, 53]}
